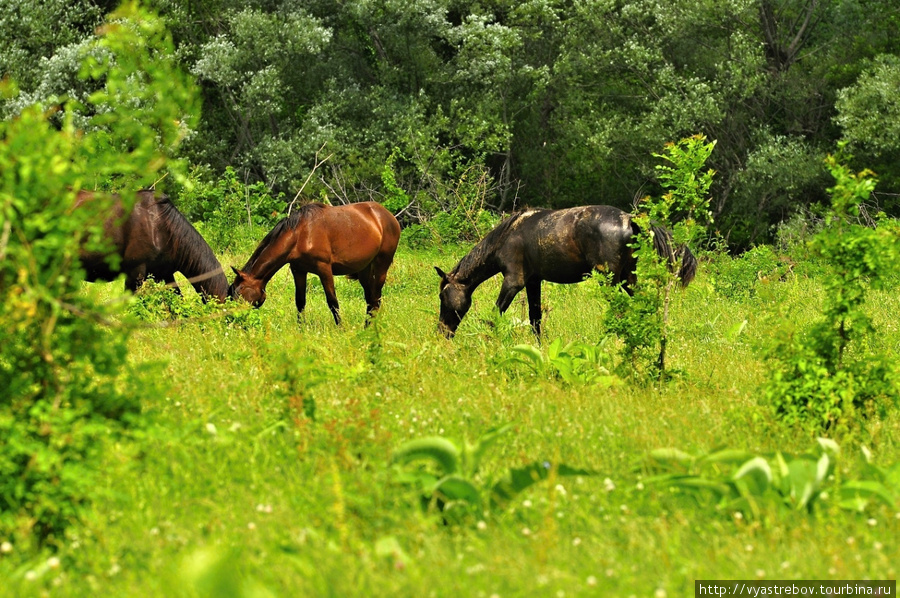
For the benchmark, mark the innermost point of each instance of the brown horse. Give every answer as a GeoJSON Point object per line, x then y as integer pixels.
{"type": "Point", "coordinates": [154, 239]}
{"type": "Point", "coordinates": [357, 240]}
{"type": "Point", "coordinates": [562, 246]}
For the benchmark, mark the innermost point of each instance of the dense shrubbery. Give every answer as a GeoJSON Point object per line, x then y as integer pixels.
{"type": "Point", "coordinates": [738, 277]}
{"type": "Point", "coordinates": [229, 202]}
{"type": "Point", "coordinates": [827, 377]}
{"type": "Point", "coordinates": [62, 362]}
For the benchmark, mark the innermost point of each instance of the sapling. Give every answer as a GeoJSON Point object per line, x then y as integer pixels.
{"type": "Point", "coordinates": [641, 319]}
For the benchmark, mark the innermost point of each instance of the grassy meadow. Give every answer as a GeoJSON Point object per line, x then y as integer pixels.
{"type": "Point", "coordinates": [263, 464]}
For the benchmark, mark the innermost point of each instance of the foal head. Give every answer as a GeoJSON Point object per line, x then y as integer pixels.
{"type": "Point", "coordinates": [456, 300]}
{"type": "Point", "coordinates": [248, 287]}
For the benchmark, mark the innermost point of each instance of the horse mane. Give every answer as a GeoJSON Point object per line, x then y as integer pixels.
{"type": "Point", "coordinates": [284, 225]}
{"type": "Point", "coordinates": [487, 247]}
{"type": "Point", "coordinates": [193, 254]}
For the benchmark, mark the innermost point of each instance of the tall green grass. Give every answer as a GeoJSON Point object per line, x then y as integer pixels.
{"type": "Point", "coordinates": [231, 488]}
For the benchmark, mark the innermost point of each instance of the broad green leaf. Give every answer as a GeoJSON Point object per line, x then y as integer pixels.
{"type": "Point", "coordinates": [804, 481]}
{"type": "Point", "coordinates": [823, 466]}
{"type": "Point", "coordinates": [781, 473]}
{"type": "Point", "coordinates": [419, 479]}
{"type": "Point", "coordinates": [866, 453]}
{"type": "Point", "coordinates": [854, 503]}
{"type": "Point", "coordinates": [554, 349]}
{"type": "Point", "coordinates": [734, 456]}
{"type": "Point", "coordinates": [528, 355]}
{"type": "Point", "coordinates": [434, 448]}
{"type": "Point", "coordinates": [829, 446]}
{"type": "Point", "coordinates": [867, 490]}
{"type": "Point", "coordinates": [456, 488]}
{"type": "Point", "coordinates": [757, 473]}
{"type": "Point", "coordinates": [671, 456]}
{"type": "Point", "coordinates": [522, 477]}
{"type": "Point", "coordinates": [692, 482]}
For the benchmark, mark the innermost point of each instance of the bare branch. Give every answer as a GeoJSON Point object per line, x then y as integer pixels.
{"type": "Point", "coordinates": [153, 186]}
{"type": "Point", "coordinates": [4, 239]}
{"type": "Point", "coordinates": [309, 176]}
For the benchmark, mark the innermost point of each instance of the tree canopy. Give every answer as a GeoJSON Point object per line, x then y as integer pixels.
{"type": "Point", "coordinates": [562, 102]}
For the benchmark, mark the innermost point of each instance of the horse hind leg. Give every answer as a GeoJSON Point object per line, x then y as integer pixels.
{"type": "Point", "coordinates": [372, 280]}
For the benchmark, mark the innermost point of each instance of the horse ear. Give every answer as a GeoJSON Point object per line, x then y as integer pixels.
{"type": "Point", "coordinates": [440, 273]}
{"type": "Point", "coordinates": [237, 273]}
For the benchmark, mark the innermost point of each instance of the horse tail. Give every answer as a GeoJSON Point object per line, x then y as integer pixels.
{"type": "Point", "coordinates": [688, 266]}
{"type": "Point", "coordinates": [662, 242]}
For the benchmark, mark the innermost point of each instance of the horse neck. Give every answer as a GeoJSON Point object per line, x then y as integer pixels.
{"type": "Point", "coordinates": [212, 283]}
{"type": "Point", "coordinates": [194, 258]}
{"type": "Point", "coordinates": [268, 260]}
{"type": "Point", "coordinates": [474, 269]}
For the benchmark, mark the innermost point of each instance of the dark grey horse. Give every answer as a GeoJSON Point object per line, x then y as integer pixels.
{"type": "Point", "coordinates": [562, 246]}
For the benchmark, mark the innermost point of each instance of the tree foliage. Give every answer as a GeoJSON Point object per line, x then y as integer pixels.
{"type": "Point", "coordinates": [563, 103]}
{"type": "Point", "coordinates": [827, 377]}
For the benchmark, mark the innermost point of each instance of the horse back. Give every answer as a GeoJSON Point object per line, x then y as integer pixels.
{"type": "Point", "coordinates": [349, 237]}
{"type": "Point", "coordinates": [132, 235]}
{"type": "Point", "coordinates": [109, 213]}
{"type": "Point", "coordinates": [145, 237]}
{"type": "Point", "coordinates": [566, 245]}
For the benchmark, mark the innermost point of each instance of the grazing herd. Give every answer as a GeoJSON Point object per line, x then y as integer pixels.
{"type": "Point", "coordinates": [359, 241]}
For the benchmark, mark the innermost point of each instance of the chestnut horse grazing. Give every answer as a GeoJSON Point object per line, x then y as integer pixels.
{"type": "Point", "coordinates": [357, 240]}
{"type": "Point", "coordinates": [562, 246]}
{"type": "Point", "coordinates": [154, 239]}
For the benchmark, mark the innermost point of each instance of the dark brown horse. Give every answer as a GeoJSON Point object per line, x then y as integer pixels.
{"type": "Point", "coordinates": [562, 246]}
{"type": "Point", "coordinates": [154, 239]}
{"type": "Point", "coordinates": [357, 240]}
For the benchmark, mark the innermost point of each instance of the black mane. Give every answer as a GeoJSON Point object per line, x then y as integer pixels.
{"type": "Point", "coordinates": [488, 246]}
{"type": "Point", "coordinates": [286, 224]}
{"type": "Point", "coordinates": [192, 254]}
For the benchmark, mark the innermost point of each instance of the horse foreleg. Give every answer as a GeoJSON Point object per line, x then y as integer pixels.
{"type": "Point", "coordinates": [512, 284]}
{"type": "Point", "coordinates": [169, 279]}
{"type": "Point", "coordinates": [135, 278]}
{"type": "Point", "coordinates": [327, 279]}
{"type": "Point", "coordinates": [299, 289]}
{"type": "Point", "coordinates": [533, 291]}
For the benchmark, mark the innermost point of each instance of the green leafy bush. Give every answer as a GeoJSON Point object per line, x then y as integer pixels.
{"type": "Point", "coordinates": [451, 482]}
{"type": "Point", "coordinates": [227, 209]}
{"type": "Point", "coordinates": [575, 363]}
{"type": "Point", "coordinates": [158, 302]}
{"type": "Point", "coordinates": [395, 197]}
{"type": "Point", "coordinates": [464, 218]}
{"type": "Point", "coordinates": [641, 320]}
{"type": "Point", "coordinates": [738, 277]}
{"type": "Point", "coordinates": [826, 377]}
{"type": "Point", "coordinates": [738, 481]}
{"type": "Point", "coordinates": [63, 367]}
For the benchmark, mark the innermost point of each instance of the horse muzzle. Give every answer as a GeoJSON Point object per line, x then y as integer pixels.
{"type": "Point", "coordinates": [446, 330]}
